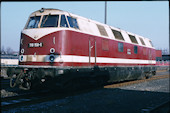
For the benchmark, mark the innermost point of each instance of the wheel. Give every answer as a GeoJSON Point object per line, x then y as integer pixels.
{"type": "Point", "coordinates": [148, 75]}
{"type": "Point", "coordinates": [13, 81]}
{"type": "Point", "coordinates": [26, 85]}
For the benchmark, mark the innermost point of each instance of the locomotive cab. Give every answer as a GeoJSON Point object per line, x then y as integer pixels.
{"type": "Point", "coordinates": [40, 24]}
{"type": "Point", "coordinates": [49, 18]}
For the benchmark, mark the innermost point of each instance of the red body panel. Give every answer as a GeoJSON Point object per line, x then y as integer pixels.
{"type": "Point", "coordinates": [74, 43]}
{"type": "Point", "coordinates": [163, 63]}
{"type": "Point", "coordinates": [158, 53]}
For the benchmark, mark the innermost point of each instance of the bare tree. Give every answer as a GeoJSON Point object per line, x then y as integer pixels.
{"type": "Point", "coordinates": [3, 50]}
{"type": "Point", "coordinates": [9, 50]}
{"type": "Point", "coordinates": [165, 51]}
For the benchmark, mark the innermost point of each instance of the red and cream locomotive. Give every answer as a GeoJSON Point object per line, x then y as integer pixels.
{"type": "Point", "coordinates": [57, 47]}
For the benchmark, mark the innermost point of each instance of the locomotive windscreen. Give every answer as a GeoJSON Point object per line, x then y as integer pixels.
{"type": "Point", "coordinates": [47, 21]}
{"type": "Point", "coordinates": [50, 21]}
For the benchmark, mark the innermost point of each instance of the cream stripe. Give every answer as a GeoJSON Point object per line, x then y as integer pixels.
{"type": "Point", "coordinates": [83, 59]}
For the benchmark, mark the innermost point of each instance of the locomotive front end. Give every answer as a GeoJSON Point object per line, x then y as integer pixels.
{"type": "Point", "coordinates": [41, 47]}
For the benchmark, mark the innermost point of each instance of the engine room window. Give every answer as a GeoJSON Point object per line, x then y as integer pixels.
{"type": "Point", "coordinates": [102, 30]}
{"type": "Point", "coordinates": [151, 43]}
{"type": "Point", "coordinates": [63, 22]}
{"type": "Point", "coordinates": [73, 22]}
{"type": "Point", "coordinates": [120, 47]}
{"type": "Point", "coordinates": [135, 49]}
{"type": "Point", "coordinates": [133, 39]}
{"type": "Point", "coordinates": [33, 22]}
{"type": "Point", "coordinates": [142, 41]}
{"type": "Point", "coordinates": [50, 21]}
{"type": "Point", "coordinates": [117, 35]}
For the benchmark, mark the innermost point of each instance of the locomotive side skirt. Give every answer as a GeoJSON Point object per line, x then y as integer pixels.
{"type": "Point", "coordinates": [59, 77]}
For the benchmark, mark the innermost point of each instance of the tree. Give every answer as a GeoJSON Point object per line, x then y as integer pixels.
{"type": "Point", "coordinates": [3, 50]}
{"type": "Point", "coordinates": [9, 50]}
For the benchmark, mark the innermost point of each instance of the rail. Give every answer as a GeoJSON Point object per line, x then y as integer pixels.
{"type": "Point", "coordinates": [162, 108]}
{"type": "Point", "coordinates": [115, 85]}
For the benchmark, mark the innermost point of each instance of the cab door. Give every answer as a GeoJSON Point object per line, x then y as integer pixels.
{"type": "Point", "coordinates": [150, 56]}
{"type": "Point", "coordinates": [92, 51]}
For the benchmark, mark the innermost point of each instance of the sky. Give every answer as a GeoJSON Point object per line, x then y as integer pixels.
{"type": "Point", "coordinates": [149, 19]}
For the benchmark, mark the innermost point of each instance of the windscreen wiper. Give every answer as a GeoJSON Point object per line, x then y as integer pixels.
{"type": "Point", "coordinates": [45, 20]}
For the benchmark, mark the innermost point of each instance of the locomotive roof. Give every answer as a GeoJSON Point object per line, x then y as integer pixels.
{"type": "Point", "coordinates": [47, 11]}
{"type": "Point", "coordinates": [53, 11]}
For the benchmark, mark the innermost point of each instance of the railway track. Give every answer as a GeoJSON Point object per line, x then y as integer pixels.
{"type": "Point", "coordinates": [24, 99]}
{"type": "Point", "coordinates": [164, 70]}
{"type": "Point", "coordinates": [161, 108]}
{"type": "Point", "coordinates": [28, 99]}
{"type": "Point", "coordinates": [33, 98]}
{"type": "Point", "coordinates": [115, 85]}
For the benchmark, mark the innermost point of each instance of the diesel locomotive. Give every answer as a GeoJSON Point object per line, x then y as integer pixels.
{"type": "Point", "coordinates": [58, 48]}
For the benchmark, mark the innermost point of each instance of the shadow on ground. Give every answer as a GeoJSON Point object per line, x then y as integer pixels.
{"type": "Point", "coordinates": [104, 100]}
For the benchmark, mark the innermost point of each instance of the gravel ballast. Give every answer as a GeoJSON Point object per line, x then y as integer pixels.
{"type": "Point", "coordinates": [127, 99]}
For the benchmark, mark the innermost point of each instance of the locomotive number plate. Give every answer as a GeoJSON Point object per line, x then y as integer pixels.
{"type": "Point", "coordinates": [35, 44]}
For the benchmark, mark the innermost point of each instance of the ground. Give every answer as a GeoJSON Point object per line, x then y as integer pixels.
{"type": "Point", "coordinates": [126, 99]}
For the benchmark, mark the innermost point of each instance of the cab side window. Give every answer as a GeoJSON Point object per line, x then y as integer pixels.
{"type": "Point", "coordinates": [33, 22]}
{"type": "Point", "coordinates": [63, 22]}
{"type": "Point", "coordinates": [73, 22]}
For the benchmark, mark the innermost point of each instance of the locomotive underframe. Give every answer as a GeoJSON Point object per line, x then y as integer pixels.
{"type": "Point", "coordinates": [30, 77]}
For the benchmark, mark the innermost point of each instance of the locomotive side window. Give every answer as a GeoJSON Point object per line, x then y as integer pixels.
{"type": "Point", "coordinates": [120, 47]}
{"type": "Point", "coordinates": [117, 35]}
{"type": "Point", "coordinates": [133, 39]}
{"type": "Point", "coordinates": [33, 22]}
{"type": "Point", "coordinates": [142, 41]}
{"type": "Point", "coordinates": [50, 21]}
{"type": "Point", "coordinates": [102, 30]}
{"type": "Point", "coordinates": [135, 49]}
{"type": "Point", "coordinates": [73, 22]}
{"type": "Point", "coordinates": [63, 21]}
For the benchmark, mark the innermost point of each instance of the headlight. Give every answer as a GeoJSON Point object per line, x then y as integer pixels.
{"type": "Point", "coordinates": [52, 58]}
{"type": "Point", "coordinates": [22, 58]}
{"type": "Point", "coordinates": [22, 51]}
{"type": "Point", "coordinates": [52, 50]}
